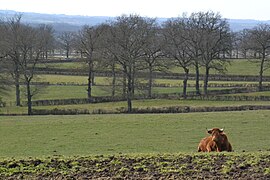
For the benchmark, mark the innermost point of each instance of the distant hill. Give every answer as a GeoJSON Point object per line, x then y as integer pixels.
{"type": "Point", "coordinates": [62, 22]}
{"type": "Point", "coordinates": [240, 24]}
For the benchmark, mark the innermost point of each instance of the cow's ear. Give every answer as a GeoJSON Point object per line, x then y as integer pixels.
{"type": "Point", "coordinates": [209, 131]}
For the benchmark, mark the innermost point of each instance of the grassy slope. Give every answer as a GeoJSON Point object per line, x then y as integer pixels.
{"type": "Point", "coordinates": [243, 67]}
{"type": "Point", "coordinates": [38, 136]}
{"type": "Point", "coordinates": [236, 67]}
{"type": "Point", "coordinates": [67, 92]}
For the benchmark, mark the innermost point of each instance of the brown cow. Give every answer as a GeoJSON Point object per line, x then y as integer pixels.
{"type": "Point", "coordinates": [218, 142]}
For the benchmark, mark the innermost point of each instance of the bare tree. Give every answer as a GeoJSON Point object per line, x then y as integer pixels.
{"type": "Point", "coordinates": [66, 40]}
{"type": "Point", "coordinates": [12, 29]}
{"type": "Point", "coordinates": [216, 40]}
{"type": "Point", "coordinates": [244, 45]}
{"type": "Point", "coordinates": [195, 39]}
{"type": "Point", "coordinates": [153, 53]}
{"type": "Point", "coordinates": [47, 31]}
{"type": "Point", "coordinates": [31, 43]}
{"type": "Point", "coordinates": [128, 39]}
{"type": "Point", "coordinates": [88, 43]}
{"type": "Point", "coordinates": [2, 57]}
{"type": "Point", "coordinates": [3, 49]}
{"type": "Point", "coordinates": [177, 46]}
{"type": "Point", "coordinates": [110, 58]}
{"type": "Point", "coordinates": [23, 47]}
{"type": "Point", "coordinates": [236, 42]}
{"type": "Point", "coordinates": [259, 42]}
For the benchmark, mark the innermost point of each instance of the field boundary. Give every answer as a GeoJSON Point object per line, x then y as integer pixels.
{"type": "Point", "coordinates": [159, 75]}
{"type": "Point", "coordinates": [212, 95]}
{"type": "Point", "coordinates": [151, 110]}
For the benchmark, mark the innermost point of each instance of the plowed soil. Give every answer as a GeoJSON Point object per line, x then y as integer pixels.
{"type": "Point", "coordinates": [165, 166]}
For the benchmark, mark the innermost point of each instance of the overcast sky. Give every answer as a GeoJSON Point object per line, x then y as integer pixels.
{"type": "Point", "coordinates": [232, 9]}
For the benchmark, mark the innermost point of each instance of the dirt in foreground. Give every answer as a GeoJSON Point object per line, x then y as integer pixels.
{"type": "Point", "coordinates": [168, 166]}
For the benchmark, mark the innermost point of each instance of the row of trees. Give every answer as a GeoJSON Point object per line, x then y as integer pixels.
{"type": "Point", "coordinates": [134, 44]}
{"type": "Point", "coordinates": [22, 46]}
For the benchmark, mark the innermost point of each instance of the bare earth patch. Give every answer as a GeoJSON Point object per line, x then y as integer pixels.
{"type": "Point", "coordinates": [163, 166]}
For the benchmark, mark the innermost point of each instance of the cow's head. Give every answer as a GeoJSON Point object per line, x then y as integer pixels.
{"type": "Point", "coordinates": [216, 134]}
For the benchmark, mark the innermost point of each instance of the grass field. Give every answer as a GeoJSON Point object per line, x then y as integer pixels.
{"type": "Point", "coordinates": [265, 93]}
{"type": "Point", "coordinates": [56, 79]}
{"type": "Point", "coordinates": [124, 145]}
{"type": "Point", "coordinates": [68, 92]}
{"type": "Point", "coordinates": [236, 67]}
{"type": "Point", "coordinates": [38, 136]}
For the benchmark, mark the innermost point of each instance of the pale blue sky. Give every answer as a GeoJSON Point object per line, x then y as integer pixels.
{"type": "Point", "coordinates": [232, 9]}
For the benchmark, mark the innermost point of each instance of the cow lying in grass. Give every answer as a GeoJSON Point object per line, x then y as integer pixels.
{"type": "Point", "coordinates": [217, 141]}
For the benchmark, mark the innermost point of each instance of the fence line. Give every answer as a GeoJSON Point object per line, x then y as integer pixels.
{"type": "Point", "coordinates": [157, 75]}
{"type": "Point", "coordinates": [212, 95]}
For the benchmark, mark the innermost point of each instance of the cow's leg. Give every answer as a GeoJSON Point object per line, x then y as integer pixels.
{"type": "Point", "coordinates": [208, 148]}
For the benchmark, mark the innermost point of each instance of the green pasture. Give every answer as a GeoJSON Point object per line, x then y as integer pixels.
{"type": "Point", "coordinates": [57, 79]}
{"type": "Point", "coordinates": [245, 67]}
{"type": "Point", "coordinates": [235, 67]}
{"type": "Point", "coordinates": [63, 79]}
{"type": "Point", "coordinates": [264, 93]}
{"type": "Point", "coordinates": [67, 92]}
{"type": "Point", "coordinates": [105, 81]}
{"type": "Point", "coordinates": [78, 91]}
{"type": "Point", "coordinates": [38, 136]}
{"type": "Point", "coordinates": [59, 92]}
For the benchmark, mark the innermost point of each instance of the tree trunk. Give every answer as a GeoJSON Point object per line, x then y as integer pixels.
{"type": "Point", "coordinates": [81, 53]}
{"type": "Point", "coordinates": [29, 98]}
{"type": "Point", "coordinates": [245, 54]}
{"type": "Point", "coordinates": [205, 86]}
{"type": "Point", "coordinates": [113, 80]}
{"type": "Point", "coordinates": [197, 79]}
{"type": "Point", "coordinates": [261, 71]}
{"type": "Point", "coordinates": [18, 94]}
{"type": "Point", "coordinates": [133, 79]}
{"type": "Point", "coordinates": [129, 93]}
{"type": "Point", "coordinates": [17, 85]}
{"type": "Point", "coordinates": [185, 83]}
{"type": "Point", "coordinates": [89, 84]}
{"type": "Point", "coordinates": [93, 78]}
{"type": "Point", "coordinates": [67, 53]}
{"type": "Point", "coordinates": [124, 88]}
{"type": "Point", "coordinates": [150, 81]}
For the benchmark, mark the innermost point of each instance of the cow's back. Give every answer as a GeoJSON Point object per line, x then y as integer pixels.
{"type": "Point", "coordinates": [206, 145]}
